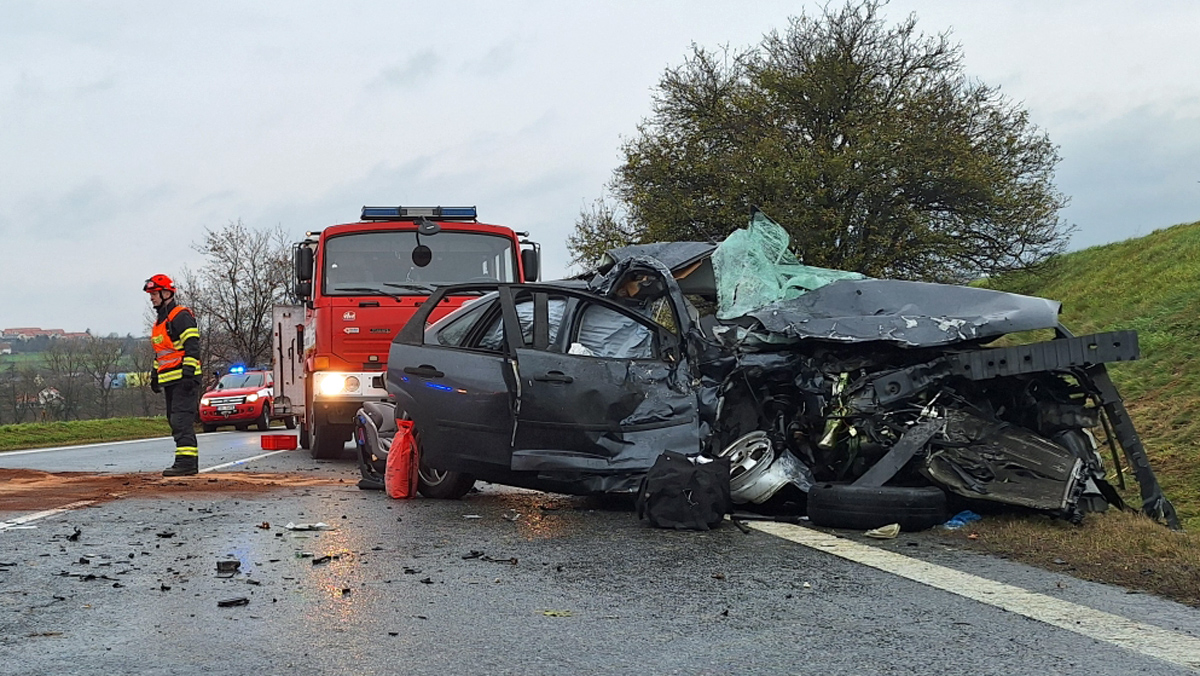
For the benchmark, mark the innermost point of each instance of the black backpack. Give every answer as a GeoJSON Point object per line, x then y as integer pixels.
{"type": "Point", "coordinates": [683, 494]}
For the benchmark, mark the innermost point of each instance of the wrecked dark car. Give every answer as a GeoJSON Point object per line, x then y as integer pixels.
{"type": "Point", "coordinates": [867, 401]}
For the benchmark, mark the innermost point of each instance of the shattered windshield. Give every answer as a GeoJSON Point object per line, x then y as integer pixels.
{"type": "Point", "coordinates": [406, 261]}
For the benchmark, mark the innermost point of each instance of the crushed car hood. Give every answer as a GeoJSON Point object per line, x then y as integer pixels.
{"type": "Point", "coordinates": [915, 314]}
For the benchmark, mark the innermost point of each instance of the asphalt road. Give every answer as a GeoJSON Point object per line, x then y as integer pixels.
{"type": "Point", "coordinates": [517, 582]}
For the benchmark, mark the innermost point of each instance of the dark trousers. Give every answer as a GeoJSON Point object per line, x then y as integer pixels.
{"type": "Point", "coordinates": [182, 405]}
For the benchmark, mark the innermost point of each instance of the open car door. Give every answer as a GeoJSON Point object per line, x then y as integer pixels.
{"type": "Point", "coordinates": [602, 400]}
{"type": "Point", "coordinates": [459, 393]}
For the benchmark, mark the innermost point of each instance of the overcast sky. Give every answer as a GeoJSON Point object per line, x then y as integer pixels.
{"type": "Point", "coordinates": [127, 128]}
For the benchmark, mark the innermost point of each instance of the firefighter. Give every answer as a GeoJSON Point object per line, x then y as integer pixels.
{"type": "Point", "coordinates": [176, 342]}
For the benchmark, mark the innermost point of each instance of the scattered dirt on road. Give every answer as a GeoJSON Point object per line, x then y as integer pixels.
{"type": "Point", "coordinates": [23, 490]}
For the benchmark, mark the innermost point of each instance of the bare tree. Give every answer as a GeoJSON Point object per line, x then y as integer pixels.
{"type": "Point", "coordinates": [101, 360]}
{"type": "Point", "coordinates": [65, 359]}
{"type": "Point", "coordinates": [245, 274]}
{"type": "Point", "coordinates": [18, 391]}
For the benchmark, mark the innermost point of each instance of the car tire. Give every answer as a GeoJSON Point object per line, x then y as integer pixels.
{"type": "Point", "coordinates": [264, 419]}
{"type": "Point", "coordinates": [209, 428]}
{"type": "Point", "coordinates": [290, 422]}
{"type": "Point", "coordinates": [866, 507]}
{"type": "Point", "coordinates": [443, 485]}
{"type": "Point", "coordinates": [328, 442]}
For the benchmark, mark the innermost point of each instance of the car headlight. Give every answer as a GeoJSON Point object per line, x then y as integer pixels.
{"type": "Point", "coordinates": [252, 397]}
{"type": "Point", "coordinates": [205, 401]}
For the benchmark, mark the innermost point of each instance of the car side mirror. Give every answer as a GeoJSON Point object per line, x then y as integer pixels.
{"type": "Point", "coordinates": [530, 263]}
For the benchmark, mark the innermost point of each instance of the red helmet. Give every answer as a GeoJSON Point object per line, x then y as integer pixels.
{"type": "Point", "coordinates": [159, 283]}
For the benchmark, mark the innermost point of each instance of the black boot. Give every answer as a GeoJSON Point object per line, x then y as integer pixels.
{"type": "Point", "coordinates": [185, 465]}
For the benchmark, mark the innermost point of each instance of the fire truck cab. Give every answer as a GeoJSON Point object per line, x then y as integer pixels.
{"type": "Point", "coordinates": [359, 283]}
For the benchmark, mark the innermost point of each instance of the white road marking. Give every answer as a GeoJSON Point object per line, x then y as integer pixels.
{"type": "Point", "coordinates": [5, 454]}
{"type": "Point", "coordinates": [243, 461]}
{"type": "Point", "coordinates": [1163, 644]}
{"type": "Point", "coordinates": [20, 520]}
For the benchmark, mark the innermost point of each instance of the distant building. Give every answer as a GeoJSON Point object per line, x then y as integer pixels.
{"type": "Point", "coordinates": [30, 332]}
{"type": "Point", "coordinates": [5, 348]}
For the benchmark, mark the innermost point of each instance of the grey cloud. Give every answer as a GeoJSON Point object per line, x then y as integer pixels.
{"type": "Point", "coordinates": [88, 207]}
{"type": "Point", "coordinates": [1131, 176]}
{"type": "Point", "coordinates": [416, 68]}
{"type": "Point", "coordinates": [496, 61]}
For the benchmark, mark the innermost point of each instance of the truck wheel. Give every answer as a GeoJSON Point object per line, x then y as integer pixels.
{"type": "Point", "coordinates": [328, 442]}
{"type": "Point", "coordinates": [290, 422]}
{"type": "Point", "coordinates": [305, 438]}
{"type": "Point", "coordinates": [443, 485]}
{"type": "Point", "coordinates": [866, 507]}
{"type": "Point", "coordinates": [264, 419]}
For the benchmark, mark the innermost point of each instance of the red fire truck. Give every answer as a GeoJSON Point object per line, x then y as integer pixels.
{"type": "Point", "coordinates": [359, 283]}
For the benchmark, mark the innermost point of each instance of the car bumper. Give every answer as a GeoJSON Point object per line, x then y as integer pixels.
{"type": "Point", "coordinates": [240, 413]}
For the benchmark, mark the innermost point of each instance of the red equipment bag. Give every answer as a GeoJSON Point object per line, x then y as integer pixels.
{"type": "Point", "coordinates": [400, 475]}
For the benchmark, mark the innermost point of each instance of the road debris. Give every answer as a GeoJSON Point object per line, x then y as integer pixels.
{"type": "Point", "coordinates": [887, 532]}
{"type": "Point", "coordinates": [228, 568]}
{"type": "Point", "coordinates": [961, 519]}
{"type": "Point", "coordinates": [320, 525]}
{"type": "Point", "coordinates": [234, 602]}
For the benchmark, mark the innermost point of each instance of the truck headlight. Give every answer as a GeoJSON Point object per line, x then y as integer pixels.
{"type": "Point", "coordinates": [332, 384]}
{"type": "Point", "coordinates": [204, 401]}
{"type": "Point", "coordinates": [252, 397]}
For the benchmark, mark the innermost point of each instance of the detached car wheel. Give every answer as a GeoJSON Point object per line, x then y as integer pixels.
{"type": "Point", "coordinates": [866, 507]}
{"type": "Point", "coordinates": [290, 422]}
{"type": "Point", "coordinates": [443, 485]}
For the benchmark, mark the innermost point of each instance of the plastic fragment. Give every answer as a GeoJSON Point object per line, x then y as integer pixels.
{"type": "Point", "coordinates": [320, 525]}
{"type": "Point", "coordinates": [961, 519]}
{"type": "Point", "coordinates": [230, 603]}
{"type": "Point", "coordinates": [884, 532]}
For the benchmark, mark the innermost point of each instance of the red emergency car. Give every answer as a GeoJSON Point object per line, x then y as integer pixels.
{"type": "Point", "coordinates": [242, 398]}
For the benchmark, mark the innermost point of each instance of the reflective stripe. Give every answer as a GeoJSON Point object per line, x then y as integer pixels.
{"type": "Point", "coordinates": [193, 362]}
{"type": "Point", "coordinates": [168, 376]}
{"type": "Point", "coordinates": [189, 333]}
{"type": "Point", "coordinates": [187, 450]}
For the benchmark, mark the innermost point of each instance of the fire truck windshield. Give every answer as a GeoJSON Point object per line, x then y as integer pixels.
{"type": "Point", "coordinates": [384, 261]}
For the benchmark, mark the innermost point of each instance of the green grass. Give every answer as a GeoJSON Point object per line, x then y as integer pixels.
{"type": "Point", "coordinates": [42, 435]}
{"type": "Point", "coordinates": [1150, 284]}
{"type": "Point", "coordinates": [23, 359]}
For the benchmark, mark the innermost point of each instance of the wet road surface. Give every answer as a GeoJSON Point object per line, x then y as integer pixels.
{"type": "Point", "coordinates": [502, 582]}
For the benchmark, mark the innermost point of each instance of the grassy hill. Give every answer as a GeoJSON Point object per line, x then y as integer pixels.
{"type": "Point", "coordinates": [1150, 284]}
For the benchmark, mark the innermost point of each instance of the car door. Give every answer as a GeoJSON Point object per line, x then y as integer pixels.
{"type": "Point", "coordinates": [458, 393]}
{"type": "Point", "coordinates": [604, 399]}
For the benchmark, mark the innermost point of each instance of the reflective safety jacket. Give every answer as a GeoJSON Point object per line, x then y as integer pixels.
{"type": "Point", "coordinates": [176, 342]}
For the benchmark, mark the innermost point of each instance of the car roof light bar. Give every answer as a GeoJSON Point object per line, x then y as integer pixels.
{"type": "Point", "coordinates": [413, 213]}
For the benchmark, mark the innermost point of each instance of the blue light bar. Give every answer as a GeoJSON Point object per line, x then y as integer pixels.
{"type": "Point", "coordinates": [413, 213]}
{"type": "Point", "coordinates": [237, 369]}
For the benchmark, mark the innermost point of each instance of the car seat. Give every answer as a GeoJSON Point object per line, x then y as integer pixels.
{"type": "Point", "coordinates": [374, 428]}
